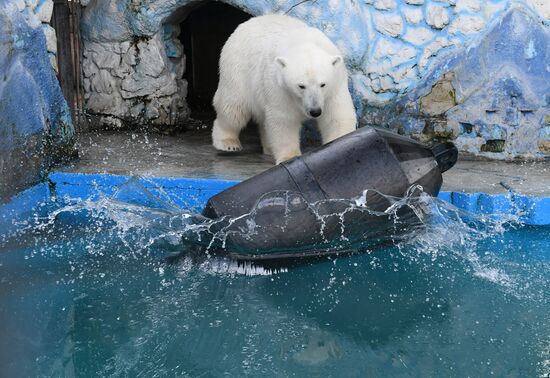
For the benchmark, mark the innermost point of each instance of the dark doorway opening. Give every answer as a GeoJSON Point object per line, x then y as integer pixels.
{"type": "Point", "coordinates": [203, 34]}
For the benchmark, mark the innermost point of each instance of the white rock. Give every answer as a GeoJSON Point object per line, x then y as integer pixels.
{"type": "Point", "coordinates": [437, 16]}
{"type": "Point", "coordinates": [413, 15]}
{"type": "Point", "coordinates": [379, 68]}
{"type": "Point", "coordinates": [415, 2]}
{"type": "Point", "coordinates": [106, 59]}
{"type": "Point", "coordinates": [124, 47]}
{"type": "Point", "coordinates": [122, 70]}
{"type": "Point", "coordinates": [395, 51]}
{"type": "Point", "coordinates": [375, 85]}
{"type": "Point", "coordinates": [469, 144]}
{"type": "Point", "coordinates": [168, 88]}
{"type": "Point", "coordinates": [107, 104]}
{"type": "Point", "coordinates": [32, 20]}
{"type": "Point", "coordinates": [332, 4]}
{"type": "Point", "coordinates": [88, 68]}
{"type": "Point", "coordinates": [418, 36]}
{"type": "Point", "coordinates": [466, 24]}
{"type": "Point", "coordinates": [112, 122]}
{"type": "Point", "coordinates": [390, 24]}
{"type": "Point", "coordinates": [152, 110]}
{"type": "Point", "coordinates": [87, 84]}
{"type": "Point", "coordinates": [44, 11]}
{"type": "Point", "coordinates": [136, 85]}
{"type": "Point", "coordinates": [385, 4]}
{"type": "Point", "coordinates": [31, 4]}
{"type": "Point", "coordinates": [386, 83]}
{"type": "Point", "coordinates": [432, 49]}
{"type": "Point", "coordinates": [103, 82]}
{"type": "Point", "coordinates": [88, 48]}
{"type": "Point", "coordinates": [51, 40]}
{"type": "Point", "coordinates": [179, 67]}
{"type": "Point", "coordinates": [53, 62]}
{"type": "Point", "coordinates": [467, 5]}
{"type": "Point", "coordinates": [403, 55]}
{"type": "Point", "coordinates": [151, 62]}
{"type": "Point", "coordinates": [408, 72]}
{"type": "Point", "coordinates": [129, 57]}
{"type": "Point", "coordinates": [490, 9]}
{"type": "Point", "coordinates": [385, 47]}
{"type": "Point", "coordinates": [140, 85]}
{"type": "Point", "coordinates": [541, 6]}
{"type": "Point", "coordinates": [20, 4]}
{"type": "Point", "coordinates": [136, 110]}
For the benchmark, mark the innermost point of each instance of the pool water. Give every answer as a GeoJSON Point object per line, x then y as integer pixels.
{"type": "Point", "coordinates": [107, 288]}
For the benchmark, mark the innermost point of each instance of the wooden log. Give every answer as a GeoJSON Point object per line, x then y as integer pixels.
{"type": "Point", "coordinates": [61, 22]}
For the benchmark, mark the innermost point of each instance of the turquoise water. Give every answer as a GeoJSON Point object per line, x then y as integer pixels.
{"type": "Point", "coordinates": [103, 289]}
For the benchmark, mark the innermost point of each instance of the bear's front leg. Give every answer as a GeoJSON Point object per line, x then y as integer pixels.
{"type": "Point", "coordinates": [339, 117]}
{"type": "Point", "coordinates": [282, 136]}
{"type": "Point", "coordinates": [229, 122]}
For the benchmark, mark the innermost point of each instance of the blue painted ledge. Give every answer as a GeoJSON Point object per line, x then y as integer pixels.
{"type": "Point", "coordinates": [531, 210]}
{"type": "Point", "coordinates": [187, 193]}
{"type": "Point", "coordinates": [193, 193]}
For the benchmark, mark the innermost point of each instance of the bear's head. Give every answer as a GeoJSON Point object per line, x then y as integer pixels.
{"type": "Point", "coordinates": [310, 75]}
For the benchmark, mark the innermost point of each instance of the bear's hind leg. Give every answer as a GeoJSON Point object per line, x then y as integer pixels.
{"type": "Point", "coordinates": [230, 120]}
{"type": "Point", "coordinates": [266, 149]}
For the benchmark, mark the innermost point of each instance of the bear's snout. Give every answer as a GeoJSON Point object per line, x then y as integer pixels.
{"type": "Point", "coordinates": [315, 112]}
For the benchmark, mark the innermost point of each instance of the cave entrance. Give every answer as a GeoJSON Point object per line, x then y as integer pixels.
{"type": "Point", "coordinates": [203, 34]}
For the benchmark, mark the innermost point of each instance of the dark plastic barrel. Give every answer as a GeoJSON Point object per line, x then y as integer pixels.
{"type": "Point", "coordinates": [368, 158]}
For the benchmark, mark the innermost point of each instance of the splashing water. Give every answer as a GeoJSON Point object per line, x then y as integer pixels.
{"type": "Point", "coordinates": [119, 287]}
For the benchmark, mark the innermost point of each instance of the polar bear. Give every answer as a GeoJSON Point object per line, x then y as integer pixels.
{"type": "Point", "coordinates": [279, 72]}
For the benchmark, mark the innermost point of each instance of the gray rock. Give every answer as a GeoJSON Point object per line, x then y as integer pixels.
{"type": "Point", "coordinates": [44, 11]}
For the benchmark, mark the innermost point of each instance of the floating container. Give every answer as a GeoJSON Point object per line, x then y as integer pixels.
{"type": "Point", "coordinates": [330, 198]}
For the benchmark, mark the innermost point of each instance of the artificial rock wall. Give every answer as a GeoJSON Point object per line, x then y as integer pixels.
{"type": "Point", "coordinates": [35, 124]}
{"type": "Point", "coordinates": [409, 62]}
{"type": "Point", "coordinates": [492, 98]}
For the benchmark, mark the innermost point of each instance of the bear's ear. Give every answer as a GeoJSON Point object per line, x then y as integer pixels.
{"type": "Point", "coordinates": [336, 59]}
{"type": "Point", "coordinates": [281, 61]}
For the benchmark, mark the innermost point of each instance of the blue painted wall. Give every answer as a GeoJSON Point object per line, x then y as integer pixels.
{"type": "Point", "coordinates": [35, 123]}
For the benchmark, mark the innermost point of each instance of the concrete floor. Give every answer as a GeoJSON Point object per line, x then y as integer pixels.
{"type": "Point", "coordinates": [190, 154]}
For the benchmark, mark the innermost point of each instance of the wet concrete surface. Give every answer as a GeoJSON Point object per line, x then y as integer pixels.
{"type": "Point", "coordinates": [190, 154]}
{"type": "Point", "coordinates": [528, 178]}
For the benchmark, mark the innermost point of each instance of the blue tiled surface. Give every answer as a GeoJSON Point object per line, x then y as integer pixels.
{"type": "Point", "coordinates": [531, 210]}
{"type": "Point", "coordinates": [193, 194]}
{"type": "Point", "coordinates": [22, 207]}
{"type": "Point", "coordinates": [188, 193]}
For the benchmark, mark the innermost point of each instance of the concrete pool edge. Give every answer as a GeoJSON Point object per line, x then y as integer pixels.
{"type": "Point", "coordinates": [192, 193]}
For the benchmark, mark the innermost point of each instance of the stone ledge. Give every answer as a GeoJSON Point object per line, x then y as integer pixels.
{"type": "Point", "coordinates": [191, 155]}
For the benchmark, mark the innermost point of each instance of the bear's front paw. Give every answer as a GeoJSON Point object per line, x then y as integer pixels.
{"type": "Point", "coordinates": [229, 145]}
{"type": "Point", "coordinates": [286, 157]}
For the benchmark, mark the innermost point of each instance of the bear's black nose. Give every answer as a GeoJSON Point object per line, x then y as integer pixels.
{"type": "Point", "coordinates": [315, 112]}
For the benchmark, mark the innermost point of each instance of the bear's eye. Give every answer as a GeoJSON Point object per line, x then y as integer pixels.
{"type": "Point", "coordinates": [323, 85]}
{"type": "Point", "coordinates": [301, 86]}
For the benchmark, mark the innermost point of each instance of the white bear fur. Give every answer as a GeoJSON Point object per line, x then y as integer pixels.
{"type": "Point", "coordinates": [262, 66]}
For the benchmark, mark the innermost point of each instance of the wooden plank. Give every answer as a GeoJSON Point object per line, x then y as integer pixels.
{"type": "Point", "coordinates": [61, 22]}
{"type": "Point", "coordinates": [79, 89]}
